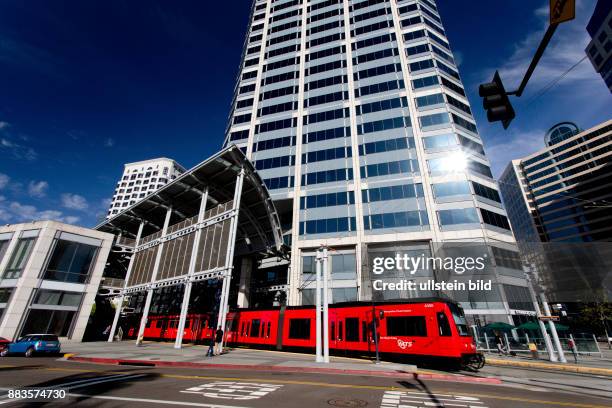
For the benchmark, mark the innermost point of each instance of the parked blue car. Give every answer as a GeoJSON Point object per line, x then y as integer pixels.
{"type": "Point", "coordinates": [31, 344]}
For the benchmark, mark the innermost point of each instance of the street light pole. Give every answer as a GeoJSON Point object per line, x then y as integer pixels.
{"type": "Point", "coordinates": [319, 259]}
{"type": "Point", "coordinates": [325, 307]}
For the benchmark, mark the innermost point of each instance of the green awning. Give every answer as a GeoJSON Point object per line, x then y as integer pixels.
{"type": "Point", "coordinates": [499, 326]}
{"type": "Point", "coordinates": [535, 326]}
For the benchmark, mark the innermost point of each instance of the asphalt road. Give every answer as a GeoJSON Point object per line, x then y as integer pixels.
{"type": "Point", "coordinates": [91, 385]}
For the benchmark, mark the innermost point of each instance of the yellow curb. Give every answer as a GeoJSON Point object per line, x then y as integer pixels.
{"type": "Point", "coordinates": [68, 355]}
{"type": "Point", "coordinates": [570, 368]}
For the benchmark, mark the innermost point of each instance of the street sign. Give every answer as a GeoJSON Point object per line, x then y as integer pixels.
{"type": "Point", "coordinates": [549, 318]}
{"type": "Point", "coordinates": [562, 11]}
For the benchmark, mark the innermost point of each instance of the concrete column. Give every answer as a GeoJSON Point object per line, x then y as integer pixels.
{"type": "Point", "coordinates": [5, 331]}
{"type": "Point", "coordinates": [113, 329]}
{"type": "Point", "coordinates": [178, 343]}
{"type": "Point", "coordinates": [229, 258]}
{"type": "Point", "coordinates": [28, 282]}
{"type": "Point", "coordinates": [549, 348]}
{"type": "Point", "coordinates": [145, 311]}
{"type": "Point", "coordinates": [246, 268]}
{"type": "Point", "coordinates": [553, 330]}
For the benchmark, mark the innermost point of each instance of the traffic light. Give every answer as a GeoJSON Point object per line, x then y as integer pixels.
{"type": "Point", "coordinates": [496, 102]}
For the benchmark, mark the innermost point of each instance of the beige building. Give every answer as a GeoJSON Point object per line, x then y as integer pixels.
{"type": "Point", "coordinates": [49, 276]}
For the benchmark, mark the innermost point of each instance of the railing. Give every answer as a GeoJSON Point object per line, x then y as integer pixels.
{"type": "Point", "coordinates": [583, 345]}
{"type": "Point", "coordinates": [112, 282]}
{"type": "Point", "coordinates": [125, 241]}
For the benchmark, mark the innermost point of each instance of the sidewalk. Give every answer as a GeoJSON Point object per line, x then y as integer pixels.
{"type": "Point", "coordinates": [194, 356]}
{"type": "Point", "coordinates": [586, 365]}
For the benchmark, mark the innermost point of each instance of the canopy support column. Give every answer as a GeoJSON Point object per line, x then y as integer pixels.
{"type": "Point", "coordinates": [229, 259]}
{"type": "Point", "coordinates": [145, 311]}
{"type": "Point", "coordinates": [113, 329]}
{"type": "Point", "coordinates": [192, 265]}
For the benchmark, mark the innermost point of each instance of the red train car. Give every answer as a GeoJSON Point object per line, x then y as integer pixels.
{"type": "Point", "coordinates": [424, 329]}
{"type": "Point", "coordinates": [198, 328]}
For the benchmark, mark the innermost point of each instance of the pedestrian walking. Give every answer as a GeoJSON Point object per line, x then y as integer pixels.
{"type": "Point", "coordinates": [500, 344]}
{"type": "Point", "coordinates": [211, 347]}
{"type": "Point", "coordinates": [218, 341]}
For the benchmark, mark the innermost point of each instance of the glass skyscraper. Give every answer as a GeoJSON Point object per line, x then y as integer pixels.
{"type": "Point", "coordinates": [354, 114]}
{"type": "Point", "coordinates": [561, 193]}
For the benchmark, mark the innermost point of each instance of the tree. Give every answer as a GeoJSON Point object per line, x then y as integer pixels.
{"type": "Point", "coordinates": [596, 316]}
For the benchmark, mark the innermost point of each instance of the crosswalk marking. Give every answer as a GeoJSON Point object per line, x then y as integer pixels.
{"type": "Point", "coordinates": [411, 399]}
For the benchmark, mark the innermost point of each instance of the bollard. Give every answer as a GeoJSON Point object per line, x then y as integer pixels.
{"type": "Point", "coordinates": [487, 341]}
{"type": "Point", "coordinates": [534, 351]}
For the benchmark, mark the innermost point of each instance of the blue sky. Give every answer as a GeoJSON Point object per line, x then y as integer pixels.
{"type": "Point", "coordinates": [88, 86]}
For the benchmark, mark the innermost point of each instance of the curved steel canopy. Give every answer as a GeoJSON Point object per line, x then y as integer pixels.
{"type": "Point", "coordinates": [258, 226]}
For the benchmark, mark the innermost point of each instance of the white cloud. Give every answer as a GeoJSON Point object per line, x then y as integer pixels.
{"type": "Point", "coordinates": [110, 142]}
{"type": "Point", "coordinates": [515, 145]}
{"type": "Point", "coordinates": [3, 125]}
{"type": "Point", "coordinates": [70, 219]}
{"type": "Point", "coordinates": [13, 211]}
{"type": "Point", "coordinates": [37, 189]}
{"type": "Point", "coordinates": [4, 180]}
{"type": "Point", "coordinates": [458, 57]}
{"type": "Point", "coordinates": [565, 49]}
{"type": "Point", "coordinates": [74, 201]}
{"type": "Point", "coordinates": [18, 151]}
{"type": "Point", "coordinates": [105, 203]}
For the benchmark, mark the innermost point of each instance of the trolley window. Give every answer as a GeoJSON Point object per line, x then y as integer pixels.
{"type": "Point", "coordinates": [459, 319]}
{"type": "Point", "coordinates": [352, 329]}
{"type": "Point", "coordinates": [158, 324]}
{"type": "Point", "coordinates": [443, 325]}
{"type": "Point", "coordinates": [364, 331]}
{"type": "Point", "coordinates": [148, 323]}
{"type": "Point", "coordinates": [406, 326]}
{"type": "Point", "coordinates": [255, 325]}
{"type": "Point", "coordinates": [299, 329]}
{"type": "Point", "coordinates": [233, 325]}
{"type": "Point", "coordinates": [269, 324]}
{"type": "Point", "coordinates": [187, 323]}
{"type": "Point", "coordinates": [333, 331]}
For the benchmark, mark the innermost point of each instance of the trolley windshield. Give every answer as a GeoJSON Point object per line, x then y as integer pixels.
{"type": "Point", "coordinates": [459, 319]}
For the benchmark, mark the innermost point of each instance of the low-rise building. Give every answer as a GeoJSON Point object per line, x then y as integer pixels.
{"type": "Point", "coordinates": [49, 276]}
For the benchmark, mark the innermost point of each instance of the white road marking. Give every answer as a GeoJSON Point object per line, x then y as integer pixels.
{"type": "Point", "coordinates": [153, 401]}
{"type": "Point", "coordinates": [233, 390]}
{"type": "Point", "coordinates": [78, 384]}
{"type": "Point", "coordinates": [411, 399]}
